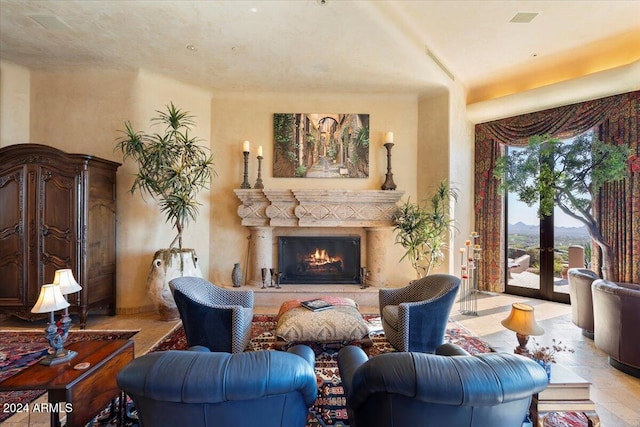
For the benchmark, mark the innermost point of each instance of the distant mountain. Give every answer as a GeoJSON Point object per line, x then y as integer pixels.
{"type": "Point", "coordinates": [528, 230]}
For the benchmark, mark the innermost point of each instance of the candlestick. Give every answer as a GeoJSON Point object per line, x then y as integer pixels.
{"type": "Point", "coordinates": [259, 183]}
{"type": "Point", "coordinates": [245, 182]}
{"type": "Point", "coordinates": [388, 182]}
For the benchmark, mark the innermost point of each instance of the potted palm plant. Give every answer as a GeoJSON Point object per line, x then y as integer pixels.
{"type": "Point", "coordinates": [172, 169]}
{"type": "Point", "coordinates": [423, 230]}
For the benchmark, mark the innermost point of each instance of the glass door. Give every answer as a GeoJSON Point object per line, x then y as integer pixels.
{"type": "Point", "coordinates": [539, 251]}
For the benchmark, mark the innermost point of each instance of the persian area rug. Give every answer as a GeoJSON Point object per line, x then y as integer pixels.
{"type": "Point", "coordinates": [20, 349]}
{"type": "Point", "coordinates": [330, 406]}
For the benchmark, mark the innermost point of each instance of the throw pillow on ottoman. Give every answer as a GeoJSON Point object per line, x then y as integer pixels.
{"type": "Point", "coordinates": [341, 323]}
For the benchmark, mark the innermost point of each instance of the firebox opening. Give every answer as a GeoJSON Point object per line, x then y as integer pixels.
{"type": "Point", "coordinates": [319, 260]}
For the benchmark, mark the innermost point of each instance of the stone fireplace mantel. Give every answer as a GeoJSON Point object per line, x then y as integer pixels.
{"type": "Point", "coordinates": [371, 210]}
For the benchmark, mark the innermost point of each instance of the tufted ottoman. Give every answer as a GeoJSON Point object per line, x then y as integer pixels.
{"type": "Point", "coordinates": [340, 324]}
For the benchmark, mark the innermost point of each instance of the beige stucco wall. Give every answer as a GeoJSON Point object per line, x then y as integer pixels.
{"type": "Point", "coordinates": [238, 117]}
{"type": "Point", "coordinates": [15, 87]}
{"type": "Point", "coordinates": [81, 111]}
{"type": "Point", "coordinates": [461, 168]}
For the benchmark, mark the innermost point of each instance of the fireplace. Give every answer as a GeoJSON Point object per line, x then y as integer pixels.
{"type": "Point", "coordinates": [319, 260]}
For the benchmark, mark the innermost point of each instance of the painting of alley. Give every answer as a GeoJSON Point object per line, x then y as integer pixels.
{"type": "Point", "coordinates": [321, 145]}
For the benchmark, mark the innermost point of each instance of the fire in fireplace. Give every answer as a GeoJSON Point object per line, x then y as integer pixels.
{"type": "Point", "coordinates": [319, 260]}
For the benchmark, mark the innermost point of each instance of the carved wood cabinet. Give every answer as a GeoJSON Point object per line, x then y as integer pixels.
{"type": "Point", "coordinates": [57, 210]}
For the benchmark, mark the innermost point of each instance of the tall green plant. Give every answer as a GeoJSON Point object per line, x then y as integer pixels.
{"type": "Point", "coordinates": [423, 230]}
{"type": "Point", "coordinates": [566, 175]}
{"type": "Point", "coordinates": [172, 167]}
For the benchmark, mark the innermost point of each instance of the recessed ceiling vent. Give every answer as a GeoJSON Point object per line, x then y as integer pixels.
{"type": "Point", "coordinates": [50, 22]}
{"type": "Point", "coordinates": [523, 17]}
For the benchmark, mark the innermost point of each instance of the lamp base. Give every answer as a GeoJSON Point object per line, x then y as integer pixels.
{"type": "Point", "coordinates": [61, 356]}
{"type": "Point", "coordinates": [522, 347]}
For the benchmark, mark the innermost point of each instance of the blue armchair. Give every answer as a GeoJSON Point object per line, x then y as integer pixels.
{"type": "Point", "coordinates": [199, 388]}
{"type": "Point", "coordinates": [213, 317]}
{"type": "Point", "coordinates": [414, 318]}
{"type": "Point", "coordinates": [420, 389]}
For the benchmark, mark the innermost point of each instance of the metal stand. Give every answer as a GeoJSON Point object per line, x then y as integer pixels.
{"type": "Point", "coordinates": [271, 285]}
{"type": "Point", "coordinates": [388, 182]}
{"type": "Point", "coordinates": [259, 183]}
{"type": "Point", "coordinates": [364, 274]}
{"type": "Point", "coordinates": [245, 182]}
{"type": "Point", "coordinates": [264, 277]}
{"type": "Point", "coordinates": [469, 260]}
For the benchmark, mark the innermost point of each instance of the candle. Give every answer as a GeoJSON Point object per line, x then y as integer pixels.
{"type": "Point", "coordinates": [388, 137]}
{"type": "Point", "coordinates": [260, 151]}
{"type": "Point", "coordinates": [245, 146]}
{"type": "Point", "coordinates": [467, 242]}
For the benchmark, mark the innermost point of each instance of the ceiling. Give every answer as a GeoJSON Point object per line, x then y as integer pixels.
{"type": "Point", "coordinates": [328, 46]}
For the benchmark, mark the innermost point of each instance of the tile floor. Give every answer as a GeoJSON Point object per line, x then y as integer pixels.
{"type": "Point", "coordinates": [616, 394]}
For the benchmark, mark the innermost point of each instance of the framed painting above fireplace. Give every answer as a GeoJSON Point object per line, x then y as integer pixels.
{"type": "Point", "coordinates": [321, 145]}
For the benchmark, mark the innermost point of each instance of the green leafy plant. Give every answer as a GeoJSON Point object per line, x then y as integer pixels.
{"type": "Point", "coordinates": [172, 167]}
{"type": "Point", "coordinates": [423, 230]}
{"type": "Point", "coordinates": [566, 175]}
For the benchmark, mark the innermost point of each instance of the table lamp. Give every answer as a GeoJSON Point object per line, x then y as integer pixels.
{"type": "Point", "coordinates": [523, 323]}
{"type": "Point", "coordinates": [49, 301]}
{"type": "Point", "coordinates": [67, 283]}
{"type": "Point", "coordinates": [64, 279]}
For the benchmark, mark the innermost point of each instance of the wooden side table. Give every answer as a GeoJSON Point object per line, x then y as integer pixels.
{"type": "Point", "coordinates": [87, 391]}
{"type": "Point", "coordinates": [567, 392]}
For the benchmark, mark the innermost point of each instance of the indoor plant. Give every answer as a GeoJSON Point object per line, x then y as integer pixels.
{"type": "Point", "coordinates": [423, 230]}
{"type": "Point", "coordinates": [172, 169]}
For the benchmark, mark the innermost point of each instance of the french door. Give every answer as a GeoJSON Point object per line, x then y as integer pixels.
{"type": "Point", "coordinates": [536, 249]}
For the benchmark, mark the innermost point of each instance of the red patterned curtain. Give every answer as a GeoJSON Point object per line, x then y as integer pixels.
{"type": "Point", "coordinates": [617, 208]}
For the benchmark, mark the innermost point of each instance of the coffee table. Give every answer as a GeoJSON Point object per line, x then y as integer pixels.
{"type": "Point", "coordinates": [83, 393]}
{"type": "Point", "coordinates": [567, 392]}
{"type": "Point", "coordinates": [340, 324]}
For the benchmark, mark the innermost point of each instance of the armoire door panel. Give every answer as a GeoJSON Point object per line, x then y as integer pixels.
{"type": "Point", "coordinates": [58, 220]}
{"type": "Point", "coordinates": [12, 238]}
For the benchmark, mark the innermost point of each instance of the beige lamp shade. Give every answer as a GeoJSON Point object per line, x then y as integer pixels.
{"type": "Point", "coordinates": [50, 300]}
{"type": "Point", "coordinates": [522, 321]}
{"type": "Point", "coordinates": [65, 280]}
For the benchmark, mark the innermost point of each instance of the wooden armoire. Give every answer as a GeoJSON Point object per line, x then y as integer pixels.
{"type": "Point", "coordinates": [57, 210]}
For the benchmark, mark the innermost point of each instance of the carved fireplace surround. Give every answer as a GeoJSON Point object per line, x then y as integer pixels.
{"type": "Point", "coordinates": [269, 213]}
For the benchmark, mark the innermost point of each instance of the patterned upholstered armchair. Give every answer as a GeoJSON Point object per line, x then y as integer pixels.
{"type": "Point", "coordinates": [213, 317]}
{"type": "Point", "coordinates": [415, 317]}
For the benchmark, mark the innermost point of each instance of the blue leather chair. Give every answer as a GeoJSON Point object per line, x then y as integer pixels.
{"type": "Point", "coordinates": [214, 317]}
{"type": "Point", "coordinates": [414, 318]}
{"type": "Point", "coordinates": [421, 389]}
{"type": "Point", "coordinates": [199, 388]}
